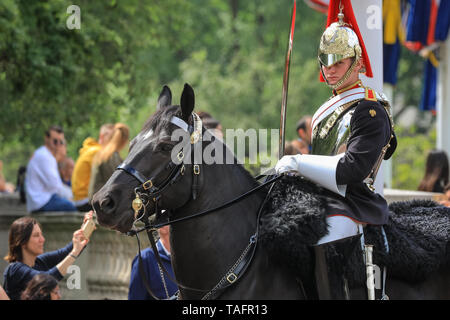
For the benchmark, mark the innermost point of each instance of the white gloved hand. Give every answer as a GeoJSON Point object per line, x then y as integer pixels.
{"type": "Point", "coordinates": [288, 163]}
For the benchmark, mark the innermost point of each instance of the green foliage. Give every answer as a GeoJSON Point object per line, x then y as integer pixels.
{"type": "Point", "coordinates": [263, 163]}
{"type": "Point", "coordinates": [410, 157]}
{"type": "Point", "coordinates": [244, 89]}
{"type": "Point", "coordinates": [410, 77]}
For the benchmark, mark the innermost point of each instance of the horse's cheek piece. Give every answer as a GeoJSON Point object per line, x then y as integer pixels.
{"type": "Point", "coordinates": [195, 137]}
{"type": "Point", "coordinates": [137, 206]}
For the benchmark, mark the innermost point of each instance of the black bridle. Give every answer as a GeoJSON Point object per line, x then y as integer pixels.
{"type": "Point", "coordinates": [147, 191]}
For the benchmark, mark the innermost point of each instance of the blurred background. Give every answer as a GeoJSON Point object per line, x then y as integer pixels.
{"type": "Point", "coordinates": [232, 53]}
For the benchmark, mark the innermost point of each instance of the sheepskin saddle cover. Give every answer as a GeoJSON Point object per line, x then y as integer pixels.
{"type": "Point", "coordinates": [294, 219]}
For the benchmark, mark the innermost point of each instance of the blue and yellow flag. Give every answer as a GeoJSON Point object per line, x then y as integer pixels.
{"type": "Point", "coordinates": [428, 22]}
{"type": "Point", "coordinates": [393, 36]}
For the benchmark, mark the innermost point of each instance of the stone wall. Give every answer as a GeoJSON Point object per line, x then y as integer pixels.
{"type": "Point", "coordinates": [102, 271]}
{"type": "Point", "coordinates": [392, 195]}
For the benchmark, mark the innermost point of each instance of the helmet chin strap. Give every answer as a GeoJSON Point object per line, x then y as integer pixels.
{"type": "Point", "coordinates": [343, 79]}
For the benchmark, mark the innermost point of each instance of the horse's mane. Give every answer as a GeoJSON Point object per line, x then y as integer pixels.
{"type": "Point", "coordinates": [162, 116]}
{"type": "Point", "coordinates": [159, 117]}
{"type": "Point", "coordinates": [244, 172]}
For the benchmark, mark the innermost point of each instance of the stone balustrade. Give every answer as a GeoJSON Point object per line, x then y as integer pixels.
{"type": "Point", "coordinates": [393, 195]}
{"type": "Point", "coordinates": [103, 269]}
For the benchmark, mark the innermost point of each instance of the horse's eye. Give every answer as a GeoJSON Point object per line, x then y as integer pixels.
{"type": "Point", "coordinates": [165, 147]}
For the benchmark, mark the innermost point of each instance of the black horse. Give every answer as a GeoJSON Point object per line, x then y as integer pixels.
{"type": "Point", "coordinates": [207, 247]}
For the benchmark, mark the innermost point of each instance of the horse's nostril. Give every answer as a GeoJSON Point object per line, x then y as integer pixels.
{"type": "Point", "coordinates": [107, 205]}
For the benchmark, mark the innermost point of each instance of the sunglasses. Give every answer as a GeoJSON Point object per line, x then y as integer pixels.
{"type": "Point", "coordinates": [58, 141]}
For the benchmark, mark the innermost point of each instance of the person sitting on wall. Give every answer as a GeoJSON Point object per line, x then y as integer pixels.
{"type": "Point", "coordinates": [5, 186]}
{"type": "Point", "coordinates": [81, 175]}
{"type": "Point", "coordinates": [436, 172]}
{"type": "Point", "coordinates": [43, 185]}
{"type": "Point", "coordinates": [65, 168]}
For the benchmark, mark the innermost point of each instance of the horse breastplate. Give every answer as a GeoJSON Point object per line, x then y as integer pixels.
{"type": "Point", "coordinates": [331, 135]}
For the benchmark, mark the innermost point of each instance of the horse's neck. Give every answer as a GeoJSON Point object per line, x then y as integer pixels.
{"type": "Point", "coordinates": [205, 247]}
{"type": "Point", "coordinates": [221, 184]}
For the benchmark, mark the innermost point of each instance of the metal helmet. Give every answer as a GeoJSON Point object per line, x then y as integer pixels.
{"type": "Point", "coordinates": [342, 39]}
{"type": "Point", "coordinates": [339, 42]}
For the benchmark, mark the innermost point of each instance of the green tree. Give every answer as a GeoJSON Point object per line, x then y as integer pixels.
{"type": "Point", "coordinates": [410, 157]}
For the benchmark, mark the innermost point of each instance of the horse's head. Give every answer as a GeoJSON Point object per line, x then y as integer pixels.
{"type": "Point", "coordinates": [151, 172]}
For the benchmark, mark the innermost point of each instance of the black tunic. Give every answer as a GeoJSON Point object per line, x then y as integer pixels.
{"type": "Point", "coordinates": [370, 131]}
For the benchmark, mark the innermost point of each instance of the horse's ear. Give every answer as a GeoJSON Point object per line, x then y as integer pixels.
{"type": "Point", "coordinates": [165, 98]}
{"type": "Point", "coordinates": [187, 102]}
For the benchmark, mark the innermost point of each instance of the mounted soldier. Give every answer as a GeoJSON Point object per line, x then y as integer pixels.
{"type": "Point", "coordinates": [352, 133]}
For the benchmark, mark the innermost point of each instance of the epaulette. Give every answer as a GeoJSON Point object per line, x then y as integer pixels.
{"type": "Point", "coordinates": [370, 94]}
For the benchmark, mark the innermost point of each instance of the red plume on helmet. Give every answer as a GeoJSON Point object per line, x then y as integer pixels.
{"type": "Point", "coordinates": [349, 18]}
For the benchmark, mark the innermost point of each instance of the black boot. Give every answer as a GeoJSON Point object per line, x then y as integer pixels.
{"type": "Point", "coordinates": [331, 262]}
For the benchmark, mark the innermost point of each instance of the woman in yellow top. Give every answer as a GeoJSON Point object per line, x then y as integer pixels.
{"type": "Point", "coordinates": [107, 159]}
{"type": "Point", "coordinates": [81, 175]}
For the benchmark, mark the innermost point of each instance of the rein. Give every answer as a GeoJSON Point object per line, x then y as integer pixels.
{"type": "Point", "coordinates": [239, 267]}
{"type": "Point", "coordinates": [195, 215]}
{"type": "Point", "coordinates": [147, 190]}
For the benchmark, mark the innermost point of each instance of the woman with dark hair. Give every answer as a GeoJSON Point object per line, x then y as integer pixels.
{"type": "Point", "coordinates": [42, 287]}
{"type": "Point", "coordinates": [27, 258]}
{"type": "Point", "coordinates": [436, 172]}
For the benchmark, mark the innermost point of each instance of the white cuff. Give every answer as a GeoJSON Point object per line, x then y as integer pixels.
{"type": "Point", "coordinates": [322, 170]}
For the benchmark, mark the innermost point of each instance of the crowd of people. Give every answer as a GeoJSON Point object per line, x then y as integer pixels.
{"type": "Point", "coordinates": [54, 182]}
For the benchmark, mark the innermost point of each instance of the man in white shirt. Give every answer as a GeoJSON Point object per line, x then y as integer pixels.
{"type": "Point", "coordinates": [43, 184]}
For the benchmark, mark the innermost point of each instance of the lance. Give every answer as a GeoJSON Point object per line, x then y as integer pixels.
{"type": "Point", "coordinates": [285, 85]}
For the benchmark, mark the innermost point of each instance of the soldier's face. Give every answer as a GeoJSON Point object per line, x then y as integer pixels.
{"type": "Point", "coordinates": [335, 72]}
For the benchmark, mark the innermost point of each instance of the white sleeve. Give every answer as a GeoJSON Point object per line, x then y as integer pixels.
{"type": "Point", "coordinates": [66, 192]}
{"type": "Point", "coordinates": [48, 170]}
{"type": "Point", "coordinates": [321, 170]}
